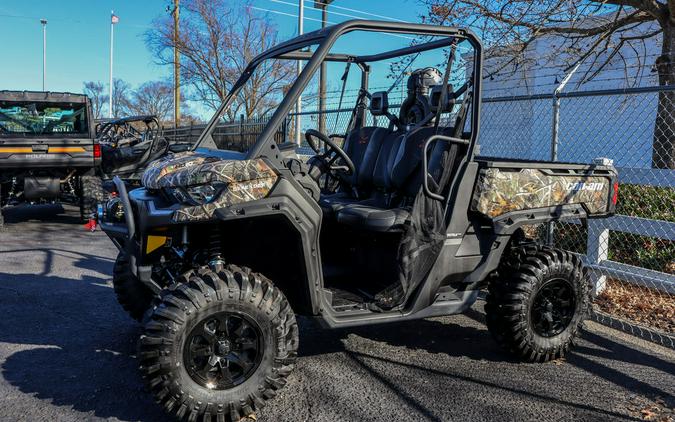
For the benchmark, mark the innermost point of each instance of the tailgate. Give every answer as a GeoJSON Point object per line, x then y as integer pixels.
{"type": "Point", "coordinates": [26, 152]}
{"type": "Point", "coordinates": [506, 186]}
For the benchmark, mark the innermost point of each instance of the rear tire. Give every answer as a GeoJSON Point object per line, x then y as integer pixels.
{"type": "Point", "coordinates": [92, 195]}
{"type": "Point", "coordinates": [133, 295]}
{"type": "Point", "coordinates": [191, 354]}
{"type": "Point", "coordinates": [535, 310]}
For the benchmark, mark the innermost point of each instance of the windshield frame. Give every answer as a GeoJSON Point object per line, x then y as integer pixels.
{"type": "Point", "coordinates": [324, 39]}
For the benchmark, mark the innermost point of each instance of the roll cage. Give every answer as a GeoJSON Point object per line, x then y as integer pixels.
{"type": "Point", "coordinates": [324, 39]}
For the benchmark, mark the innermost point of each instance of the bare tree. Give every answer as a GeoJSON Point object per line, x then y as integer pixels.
{"type": "Point", "coordinates": [217, 39]}
{"type": "Point", "coordinates": [120, 100]}
{"type": "Point", "coordinates": [590, 31]}
{"type": "Point", "coordinates": [155, 97]}
{"type": "Point", "coordinates": [95, 92]}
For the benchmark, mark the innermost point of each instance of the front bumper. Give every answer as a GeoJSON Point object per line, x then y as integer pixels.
{"type": "Point", "coordinates": [120, 233]}
{"type": "Point", "coordinates": [123, 235]}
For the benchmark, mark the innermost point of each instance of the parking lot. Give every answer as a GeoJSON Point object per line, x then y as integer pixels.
{"type": "Point", "coordinates": [67, 353]}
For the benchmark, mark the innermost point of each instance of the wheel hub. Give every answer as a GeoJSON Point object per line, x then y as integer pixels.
{"type": "Point", "coordinates": [223, 350]}
{"type": "Point", "coordinates": [553, 307]}
{"type": "Point", "coordinates": [223, 347]}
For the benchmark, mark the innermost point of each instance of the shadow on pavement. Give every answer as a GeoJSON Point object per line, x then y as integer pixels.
{"type": "Point", "coordinates": [433, 336]}
{"type": "Point", "coordinates": [51, 213]}
{"type": "Point", "coordinates": [78, 347]}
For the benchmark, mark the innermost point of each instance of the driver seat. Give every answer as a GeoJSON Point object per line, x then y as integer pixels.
{"type": "Point", "coordinates": [362, 145]}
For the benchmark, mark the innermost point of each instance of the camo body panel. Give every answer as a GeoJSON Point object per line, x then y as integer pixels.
{"type": "Point", "coordinates": [244, 180]}
{"type": "Point", "coordinates": [501, 191]}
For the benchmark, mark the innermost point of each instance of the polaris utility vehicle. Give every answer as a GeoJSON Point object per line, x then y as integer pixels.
{"type": "Point", "coordinates": [48, 150]}
{"type": "Point", "coordinates": [128, 144]}
{"type": "Point", "coordinates": [400, 220]}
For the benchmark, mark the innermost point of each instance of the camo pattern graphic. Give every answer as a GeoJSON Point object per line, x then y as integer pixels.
{"type": "Point", "coordinates": [242, 180]}
{"type": "Point", "coordinates": [500, 191]}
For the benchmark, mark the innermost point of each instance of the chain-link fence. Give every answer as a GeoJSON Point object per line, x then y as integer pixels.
{"type": "Point", "coordinates": [631, 256]}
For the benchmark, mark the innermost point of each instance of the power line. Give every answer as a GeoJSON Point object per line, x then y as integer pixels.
{"type": "Point", "coordinates": [365, 13]}
{"type": "Point", "coordinates": [277, 12]}
{"type": "Point", "coordinates": [343, 14]}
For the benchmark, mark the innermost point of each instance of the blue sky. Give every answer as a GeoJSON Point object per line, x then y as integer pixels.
{"type": "Point", "coordinates": [78, 34]}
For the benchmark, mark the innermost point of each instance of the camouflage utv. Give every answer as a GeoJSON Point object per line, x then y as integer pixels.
{"type": "Point", "coordinates": [397, 219]}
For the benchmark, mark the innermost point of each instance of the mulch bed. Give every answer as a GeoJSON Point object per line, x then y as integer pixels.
{"type": "Point", "coordinates": [643, 305]}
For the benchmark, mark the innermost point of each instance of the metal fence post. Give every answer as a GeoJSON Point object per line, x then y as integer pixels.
{"type": "Point", "coordinates": [597, 251]}
{"type": "Point", "coordinates": [241, 129]}
{"type": "Point", "coordinates": [555, 129]}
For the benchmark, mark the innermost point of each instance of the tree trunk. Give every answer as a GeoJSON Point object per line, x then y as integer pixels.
{"type": "Point", "coordinates": [663, 152]}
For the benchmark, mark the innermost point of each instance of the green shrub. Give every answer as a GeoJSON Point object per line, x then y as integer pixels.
{"type": "Point", "coordinates": [647, 252]}
{"type": "Point", "coordinates": [647, 202]}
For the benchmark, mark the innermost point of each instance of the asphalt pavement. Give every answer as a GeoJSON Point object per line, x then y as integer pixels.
{"type": "Point", "coordinates": [67, 354]}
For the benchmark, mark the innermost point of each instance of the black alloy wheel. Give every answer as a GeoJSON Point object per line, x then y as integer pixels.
{"type": "Point", "coordinates": [223, 350]}
{"type": "Point", "coordinates": [552, 308]}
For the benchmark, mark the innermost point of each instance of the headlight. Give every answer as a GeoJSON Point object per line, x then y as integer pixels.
{"type": "Point", "coordinates": [197, 194]}
{"type": "Point", "coordinates": [202, 194]}
{"type": "Point", "coordinates": [114, 210]}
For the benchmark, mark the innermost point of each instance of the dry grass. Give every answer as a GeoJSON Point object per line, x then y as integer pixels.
{"type": "Point", "coordinates": [646, 306]}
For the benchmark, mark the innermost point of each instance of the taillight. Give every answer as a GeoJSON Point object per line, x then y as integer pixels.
{"type": "Point", "coordinates": [97, 151]}
{"type": "Point", "coordinates": [615, 196]}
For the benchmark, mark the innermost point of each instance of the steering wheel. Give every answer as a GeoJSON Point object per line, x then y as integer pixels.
{"type": "Point", "coordinates": [334, 152]}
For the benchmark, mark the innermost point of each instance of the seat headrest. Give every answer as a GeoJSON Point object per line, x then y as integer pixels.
{"type": "Point", "coordinates": [379, 103]}
{"type": "Point", "coordinates": [436, 99]}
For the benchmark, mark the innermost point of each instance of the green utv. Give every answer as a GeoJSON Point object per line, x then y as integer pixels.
{"type": "Point", "coordinates": [397, 219]}
{"type": "Point", "coordinates": [48, 150]}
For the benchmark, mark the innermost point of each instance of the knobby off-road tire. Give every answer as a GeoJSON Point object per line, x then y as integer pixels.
{"type": "Point", "coordinates": [92, 193]}
{"type": "Point", "coordinates": [208, 303]}
{"type": "Point", "coordinates": [133, 295]}
{"type": "Point", "coordinates": [536, 307]}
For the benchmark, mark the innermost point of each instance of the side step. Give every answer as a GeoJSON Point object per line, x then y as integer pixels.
{"type": "Point", "coordinates": [344, 301]}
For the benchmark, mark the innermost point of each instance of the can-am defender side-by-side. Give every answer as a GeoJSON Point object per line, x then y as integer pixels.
{"type": "Point", "coordinates": [48, 151]}
{"type": "Point", "coordinates": [220, 250]}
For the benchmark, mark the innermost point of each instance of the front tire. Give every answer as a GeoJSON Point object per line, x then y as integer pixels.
{"type": "Point", "coordinates": [536, 307]}
{"type": "Point", "coordinates": [133, 295]}
{"type": "Point", "coordinates": [219, 345]}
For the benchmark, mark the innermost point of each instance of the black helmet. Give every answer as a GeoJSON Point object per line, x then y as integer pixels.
{"type": "Point", "coordinates": [421, 80]}
{"type": "Point", "coordinates": [417, 104]}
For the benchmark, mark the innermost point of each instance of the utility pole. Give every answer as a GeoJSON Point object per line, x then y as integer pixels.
{"type": "Point", "coordinates": [322, 4]}
{"type": "Point", "coordinates": [176, 66]}
{"type": "Point", "coordinates": [44, 52]}
{"type": "Point", "coordinates": [298, 106]}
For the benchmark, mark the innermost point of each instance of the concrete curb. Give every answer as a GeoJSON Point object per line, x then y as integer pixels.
{"type": "Point", "coordinates": [649, 334]}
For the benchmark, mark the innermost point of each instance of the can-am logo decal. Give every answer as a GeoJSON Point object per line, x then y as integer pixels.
{"type": "Point", "coordinates": [577, 186]}
{"type": "Point", "coordinates": [247, 186]}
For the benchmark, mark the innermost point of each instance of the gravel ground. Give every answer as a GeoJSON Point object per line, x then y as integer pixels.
{"type": "Point", "coordinates": [67, 353]}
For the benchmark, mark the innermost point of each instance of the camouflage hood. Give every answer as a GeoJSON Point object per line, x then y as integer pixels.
{"type": "Point", "coordinates": [197, 168]}
{"type": "Point", "coordinates": [244, 180]}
